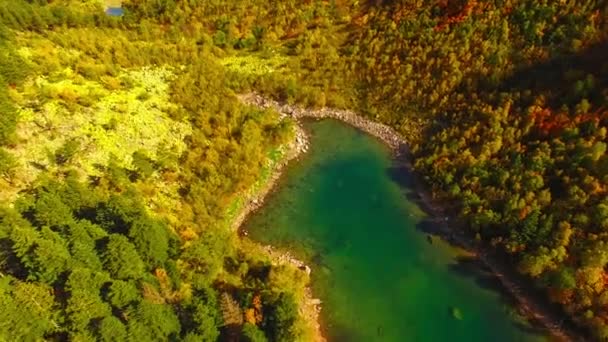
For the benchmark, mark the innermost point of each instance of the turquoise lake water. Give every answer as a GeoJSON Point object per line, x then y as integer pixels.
{"type": "Point", "coordinates": [380, 277]}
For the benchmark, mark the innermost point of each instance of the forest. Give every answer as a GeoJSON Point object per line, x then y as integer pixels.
{"type": "Point", "coordinates": [124, 149]}
{"type": "Point", "coordinates": [122, 153]}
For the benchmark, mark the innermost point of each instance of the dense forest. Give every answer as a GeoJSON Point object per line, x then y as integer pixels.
{"type": "Point", "coordinates": [124, 150]}
{"type": "Point", "coordinates": [123, 153]}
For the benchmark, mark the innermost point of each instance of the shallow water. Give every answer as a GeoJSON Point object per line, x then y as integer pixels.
{"type": "Point", "coordinates": [379, 276]}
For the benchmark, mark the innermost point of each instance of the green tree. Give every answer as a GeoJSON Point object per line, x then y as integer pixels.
{"type": "Point", "coordinates": [281, 323]}
{"type": "Point", "coordinates": [111, 329]}
{"type": "Point", "coordinates": [68, 151]}
{"type": "Point", "coordinates": [143, 164]}
{"type": "Point", "coordinates": [85, 303]}
{"type": "Point", "coordinates": [153, 322]}
{"type": "Point", "coordinates": [120, 258]}
{"type": "Point", "coordinates": [151, 238]}
{"type": "Point", "coordinates": [82, 248]}
{"type": "Point", "coordinates": [51, 259]}
{"type": "Point", "coordinates": [51, 211]}
{"type": "Point", "coordinates": [205, 318]}
{"type": "Point", "coordinates": [123, 293]}
{"type": "Point", "coordinates": [563, 279]}
{"type": "Point", "coordinates": [251, 333]}
{"type": "Point", "coordinates": [7, 164]}
{"type": "Point", "coordinates": [23, 303]}
{"type": "Point", "coordinates": [205, 258]}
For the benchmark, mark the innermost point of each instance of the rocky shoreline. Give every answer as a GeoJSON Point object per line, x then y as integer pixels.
{"type": "Point", "coordinates": [255, 199]}
{"type": "Point", "coordinates": [531, 307]}
{"type": "Point", "coordinates": [310, 308]}
{"type": "Point", "coordinates": [383, 132]}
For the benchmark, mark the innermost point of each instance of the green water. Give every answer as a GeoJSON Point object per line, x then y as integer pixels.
{"type": "Point", "coordinates": [377, 273]}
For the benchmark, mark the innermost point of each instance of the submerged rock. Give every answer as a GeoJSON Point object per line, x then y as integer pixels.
{"type": "Point", "coordinates": [456, 313]}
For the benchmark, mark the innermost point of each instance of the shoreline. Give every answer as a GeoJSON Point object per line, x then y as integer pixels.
{"type": "Point", "coordinates": [310, 308]}
{"type": "Point", "coordinates": [532, 308]}
{"type": "Point", "coordinates": [255, 199]}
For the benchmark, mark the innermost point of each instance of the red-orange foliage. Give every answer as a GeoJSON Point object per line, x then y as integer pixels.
{"type": "Point", "coordinates": [549, 123]}
{"type": "Point", "coordinates": [257, 305]}
{"type": "Point", "coordinates": [524, 212]}
{"type": "Point", "coordinates": [250, 316]}
{"type": "Point", "coordinates": [455, 13]}
{"type": "Point", "coordinates": [561, 296]}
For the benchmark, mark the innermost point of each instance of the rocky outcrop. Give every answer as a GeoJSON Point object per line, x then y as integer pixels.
{"type": "Point", "coordinates": [310, 308]}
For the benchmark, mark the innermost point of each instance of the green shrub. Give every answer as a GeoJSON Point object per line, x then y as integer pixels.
{"type": "Point", "coordinates": [69, 149]}
{"type": "Point", "coordinates": [7, 163]}
{"type": "Point", "coordinates": [251, 333]}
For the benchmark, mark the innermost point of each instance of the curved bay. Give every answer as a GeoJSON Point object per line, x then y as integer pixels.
{"type": "Point", "coordinates": [380, 277]}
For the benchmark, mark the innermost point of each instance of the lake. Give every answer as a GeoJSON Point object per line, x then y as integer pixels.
{"type": "Point", "coordinates": [380, 277]}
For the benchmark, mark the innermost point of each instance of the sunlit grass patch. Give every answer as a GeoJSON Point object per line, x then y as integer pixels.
{"type": "Point", "coordinates": [112, 3]}
{"type": "Point", "coordinates": [254, 64]}
{"type": "Point", "coordinates": [43, 57]}
{"type": "Point", "coordinates": [106, 123]}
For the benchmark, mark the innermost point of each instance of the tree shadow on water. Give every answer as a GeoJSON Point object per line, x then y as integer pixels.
{"type": "Point", "coordinates": [473, 268]}
{"type": "Point", "coordinates": [402, 175]}
{"type": "Point", "coordinates": [340, 332]}
{"type": "Point", "coordinates": [435, 224]}
{"type": "Point", "coordinates": [430, 226]}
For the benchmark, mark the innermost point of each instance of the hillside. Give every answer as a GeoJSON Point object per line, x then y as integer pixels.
{"type": "Point", "coordinates": [124, 149]}
{"type": "Point", "coordinates": [122, 155]}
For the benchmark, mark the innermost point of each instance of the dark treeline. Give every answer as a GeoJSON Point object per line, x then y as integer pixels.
{"type": "Point", "coordinates": [85, 266]}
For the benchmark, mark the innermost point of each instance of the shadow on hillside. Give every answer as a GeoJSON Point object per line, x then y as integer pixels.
{"type": "Point", "coordinates": [368, 4]}
{"type": "Point", "coordinates": [558, 76]}
{"type": "Point", "coordinates": [564, 79]}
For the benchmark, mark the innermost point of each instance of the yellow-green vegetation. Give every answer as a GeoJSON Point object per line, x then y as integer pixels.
{"type": "Point", "coordinates": [112, 3]}
{"type": "Point", "coordinates": [256, 65]}
{"type": "Point", "coordinates": [109, 122]}
{"type": "Point", "coordinates": [261, 186]}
